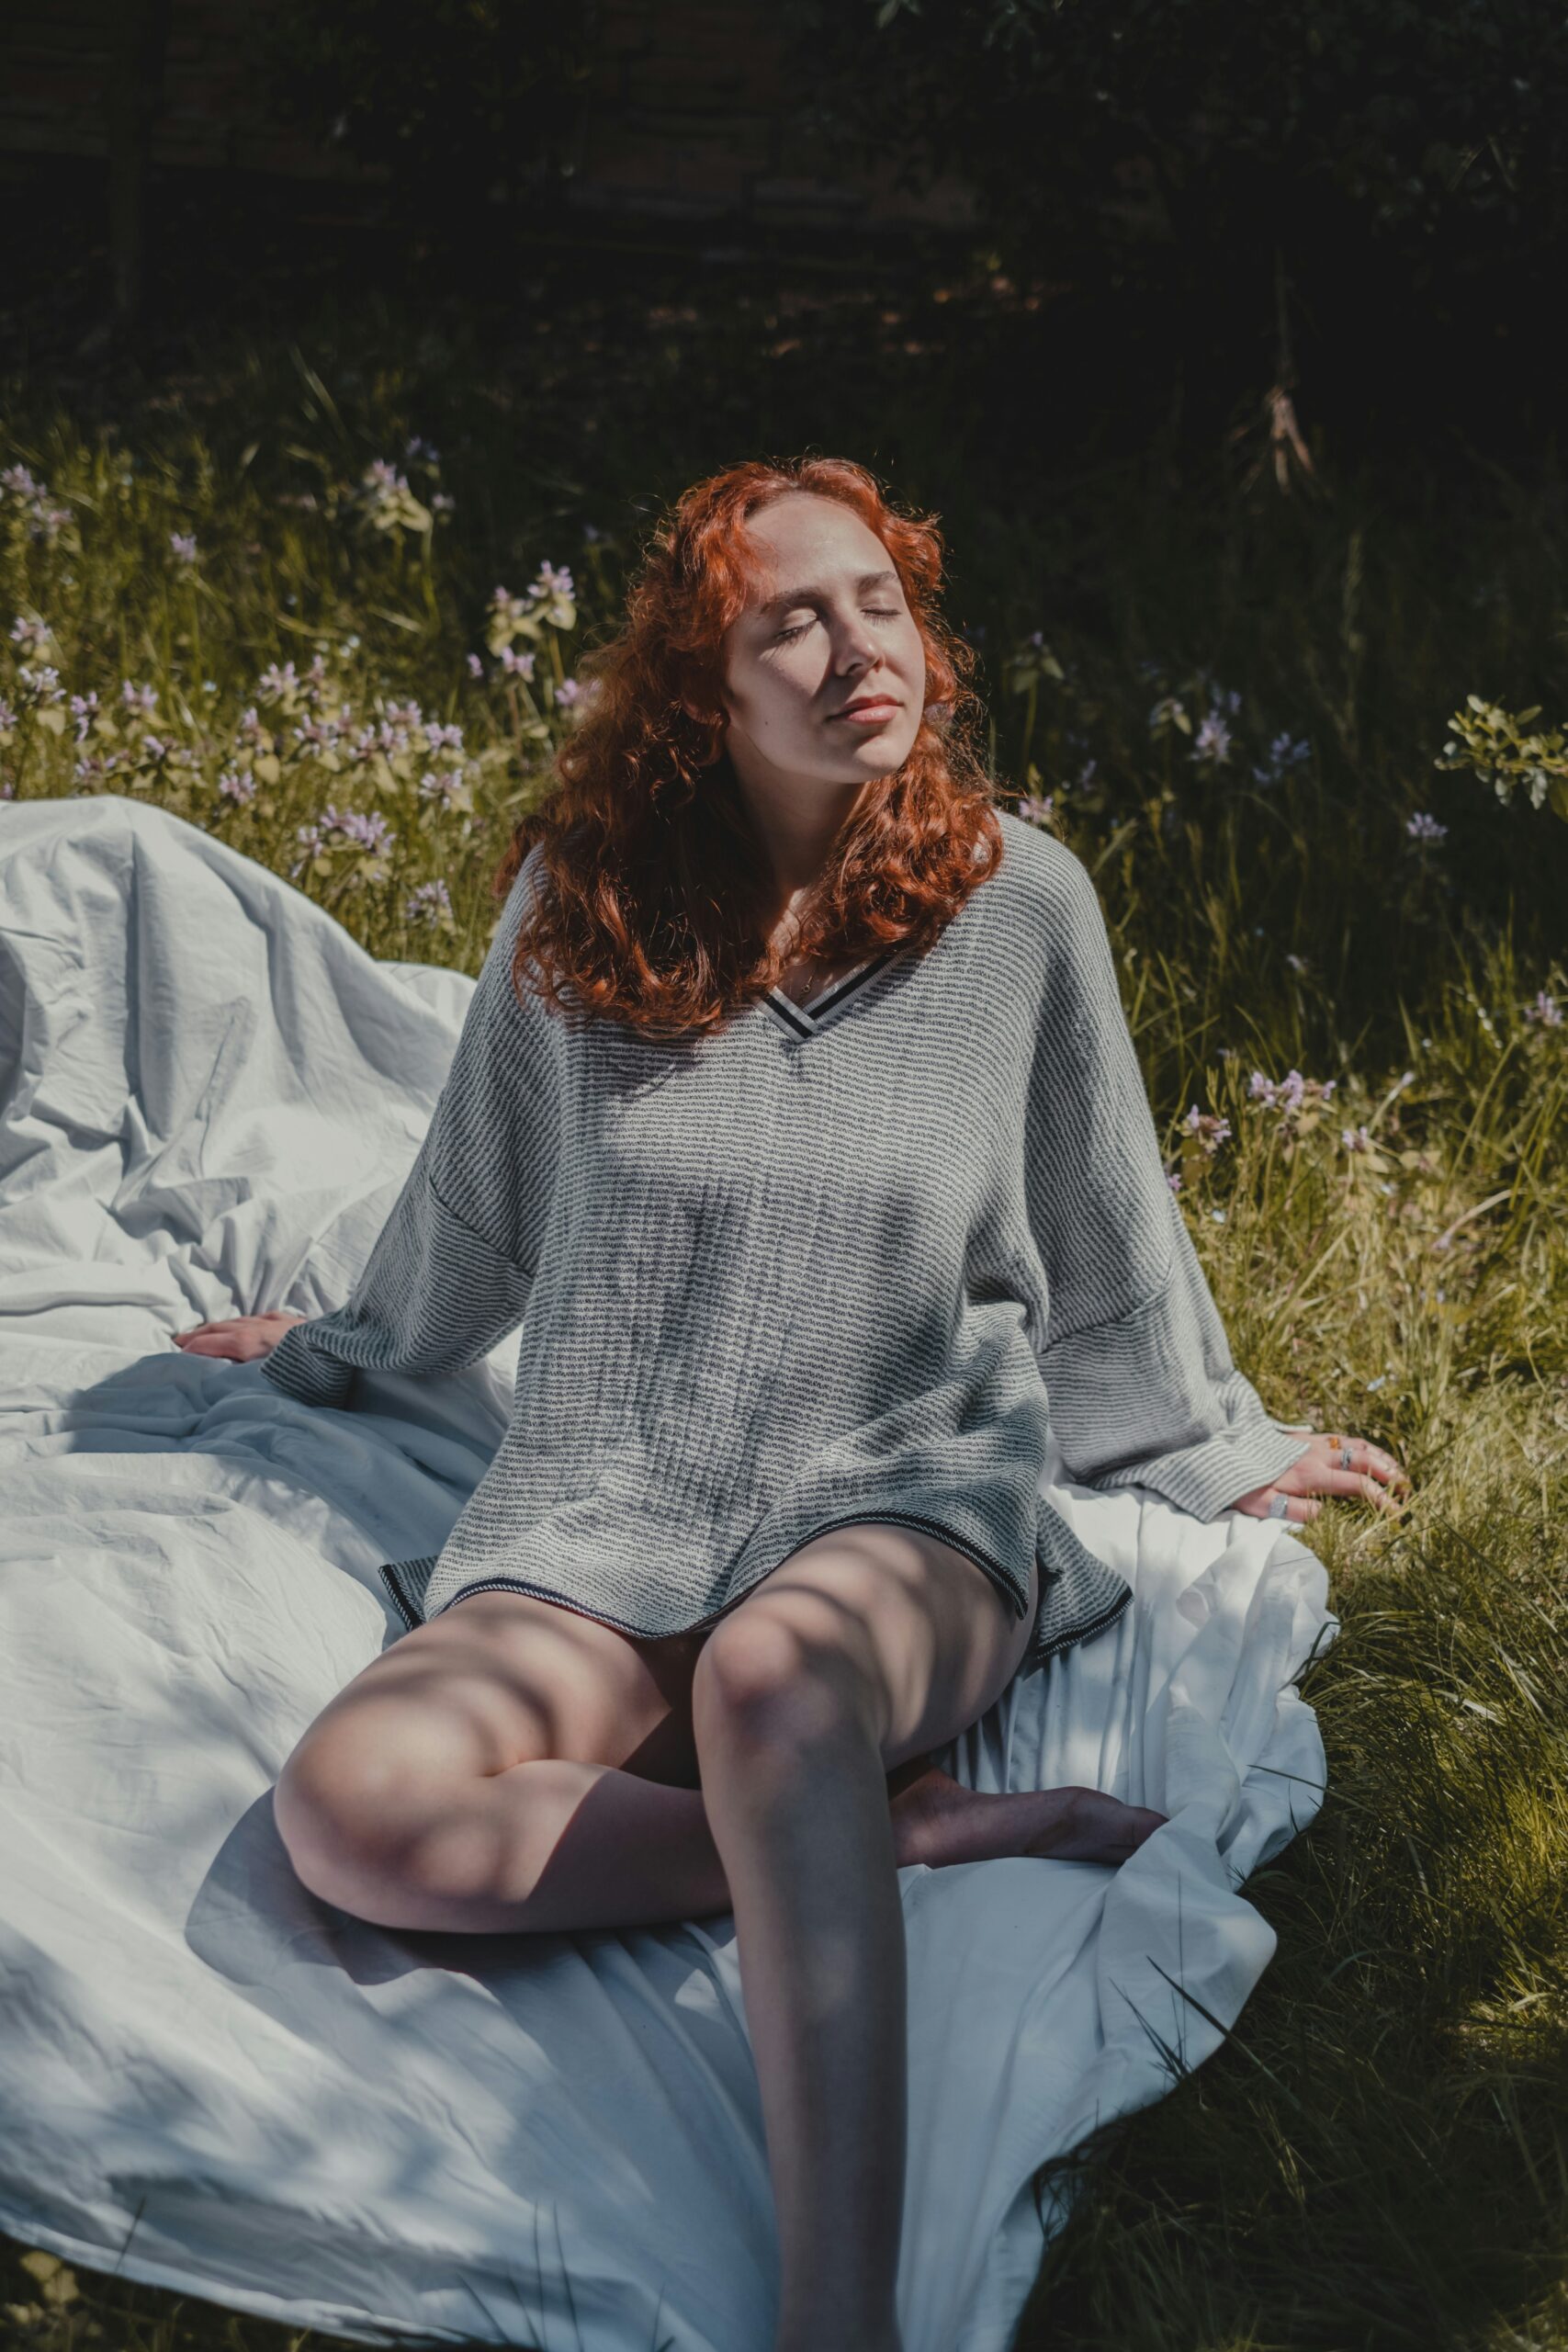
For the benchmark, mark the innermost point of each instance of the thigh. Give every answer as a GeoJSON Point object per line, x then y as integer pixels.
{"type": "Point", "coordinates": [503, 1678]}
{"type": "Point", "coordinates": [919, 1633]}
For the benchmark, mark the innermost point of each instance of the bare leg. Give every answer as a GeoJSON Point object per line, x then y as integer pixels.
{"type": "Point", "coordinates": [802, 1821]}
{"type": "Point", "coordinates": [460, 1784]}
{"type": "Point", "coordinates": [550, 1844]}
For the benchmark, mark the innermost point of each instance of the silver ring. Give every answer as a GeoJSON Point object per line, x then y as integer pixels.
{"type": "Point", "coordinates": [1279, 1507]}
{"type": "Point", "coordinates": [1345, 1460]}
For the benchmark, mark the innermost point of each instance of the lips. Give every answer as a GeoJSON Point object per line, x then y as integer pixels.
{"type": "Point", "coordinates": [868, 702]}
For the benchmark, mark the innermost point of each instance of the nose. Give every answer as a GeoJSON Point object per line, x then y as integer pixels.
{"type": "Point", "coordinates": [857, 649]}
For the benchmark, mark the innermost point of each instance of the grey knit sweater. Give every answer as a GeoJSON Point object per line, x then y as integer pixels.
{"type": "Point", "coordinates": [838, 1263]}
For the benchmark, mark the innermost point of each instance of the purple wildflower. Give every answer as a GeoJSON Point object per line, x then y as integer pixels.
{"type": "Point", "coordinates": [1422, 828]}
{"type": "Point", "coordinates": [371, 831]}
{"type": "Point", "coordinates": [1287, 1094]}
{"type": "Point", "coordinates": [39, 688]}
{"type": "Point", "coordinates": [1210, 1130]}
{"type": "Point", "coordinates": [1546, 1010]}
{"type": "Point", "coordinates": [183, 545]}
{"type": "Point", "coordinates": [235, 785]}
{"type": "Point", "coordinates": [1282, 755]}
{"type": "Point", "coordinates": [445, 788]}
{"type": "Point", "coordinates": [312, 839]}
{"type": "Point", "coordinates": [429, 903]}
{"type": "Point", "coordinates": [1212, 741]}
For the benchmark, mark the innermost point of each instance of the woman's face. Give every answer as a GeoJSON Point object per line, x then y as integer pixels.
{"type": "Point", "coordinates": [827, 625]}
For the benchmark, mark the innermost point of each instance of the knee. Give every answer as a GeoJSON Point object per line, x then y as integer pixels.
{"type": "Point", "coordinates": [342, 1811]}
{"type": "Point", "coordinates": [763, 1678]}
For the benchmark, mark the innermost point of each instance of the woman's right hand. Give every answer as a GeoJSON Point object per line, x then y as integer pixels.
{"type": "Point", "coordinates": [242, 1338]}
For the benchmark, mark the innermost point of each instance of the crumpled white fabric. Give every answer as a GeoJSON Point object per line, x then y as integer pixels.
{"type": "Point", "coordinates": [210, 2081]}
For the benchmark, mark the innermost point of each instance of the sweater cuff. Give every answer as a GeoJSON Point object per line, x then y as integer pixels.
{"type": "Point", "coordinates": [307, 1372]}
{"type": "Point", "coordinates": [1210, 1477]}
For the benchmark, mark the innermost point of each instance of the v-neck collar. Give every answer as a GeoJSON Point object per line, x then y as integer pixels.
{"type": "Point", "coordinates": [806, 1019]}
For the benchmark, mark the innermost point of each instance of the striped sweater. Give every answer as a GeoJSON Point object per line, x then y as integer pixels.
{"type": "Point", "coordinates": [845, 1261]}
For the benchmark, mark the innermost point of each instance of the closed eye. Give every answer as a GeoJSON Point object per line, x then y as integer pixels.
{"type": "Point", "coordinates": [875, 612]}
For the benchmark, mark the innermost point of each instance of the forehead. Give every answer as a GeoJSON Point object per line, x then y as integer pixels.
{"type": "Point", "coordinates": [802, 537]}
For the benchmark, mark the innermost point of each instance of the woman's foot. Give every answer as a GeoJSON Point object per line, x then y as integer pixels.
{"type": "Point", "coordinates": [938, 1821]}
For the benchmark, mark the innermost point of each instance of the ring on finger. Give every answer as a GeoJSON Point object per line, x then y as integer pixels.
{"type": "Point", "coordinates": [1279, 1507]}
{"type": "Point", "coordinates": [1345, 1462]}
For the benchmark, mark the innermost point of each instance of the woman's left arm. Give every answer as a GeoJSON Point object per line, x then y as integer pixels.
{"type": "Point", "coordinates": [1143, 1387]}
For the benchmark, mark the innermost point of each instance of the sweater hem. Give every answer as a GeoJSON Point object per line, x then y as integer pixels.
{"type": "Point", "coordinates": [992, 1569]}
{"type": "Point", "coordinates": [1101, 1611]}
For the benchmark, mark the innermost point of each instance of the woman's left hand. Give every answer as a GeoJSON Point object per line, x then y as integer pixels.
{"type": "Point", "coordinates": [1333, 1464]}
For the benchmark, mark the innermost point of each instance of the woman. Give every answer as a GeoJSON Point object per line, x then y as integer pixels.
{"type": "Point", "coordinates": [796, 1120]}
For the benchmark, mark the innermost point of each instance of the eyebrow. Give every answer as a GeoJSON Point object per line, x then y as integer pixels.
{"type": "Point", "coordinates": [804, 595]}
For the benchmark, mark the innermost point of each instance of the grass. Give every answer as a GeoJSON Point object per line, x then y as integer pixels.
{"type": "Point", "coordinates": [1378, 2157]}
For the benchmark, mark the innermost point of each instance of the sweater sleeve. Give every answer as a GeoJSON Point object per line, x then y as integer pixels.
{"type": "Point", "coordinates": [449, 1273]}
{"type": "Point", "coordinates": [1138, 1370]}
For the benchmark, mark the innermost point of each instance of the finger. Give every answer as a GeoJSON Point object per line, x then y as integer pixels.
{"type": "Point", "coordinates": [1301, 1509]}
{"type": "Point", "coordinates": [1366, 1456]}
{"type": "Point", "coordinates": [1328, 1478]}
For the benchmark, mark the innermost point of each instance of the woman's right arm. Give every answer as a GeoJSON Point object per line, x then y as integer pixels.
{"type": "Point", "coordinates": [451, 1271]}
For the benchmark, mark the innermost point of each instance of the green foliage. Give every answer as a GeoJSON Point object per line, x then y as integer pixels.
{"type": "Point", "coordinates": [1493, 742]}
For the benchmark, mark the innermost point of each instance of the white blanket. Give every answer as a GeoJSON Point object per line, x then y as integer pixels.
{"type": "Point", "coordinates": [209, 2080]}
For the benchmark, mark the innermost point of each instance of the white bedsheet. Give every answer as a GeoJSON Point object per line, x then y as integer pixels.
{"type": "Point", "coordinates": [213, 2081]}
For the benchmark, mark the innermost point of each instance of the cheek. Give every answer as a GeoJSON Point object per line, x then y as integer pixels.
{"type": "Point", "coordinates": [784, 699]}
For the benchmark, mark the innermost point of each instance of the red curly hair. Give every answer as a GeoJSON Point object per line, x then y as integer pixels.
{"type": "Point", "coordinates": [656, 898]}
